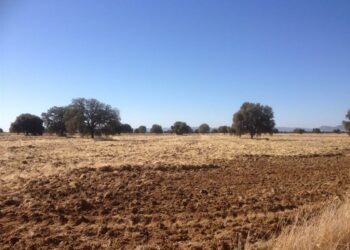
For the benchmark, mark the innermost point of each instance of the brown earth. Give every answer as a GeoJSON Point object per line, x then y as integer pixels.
{"type": "Point", "coordinates": [220, 205]}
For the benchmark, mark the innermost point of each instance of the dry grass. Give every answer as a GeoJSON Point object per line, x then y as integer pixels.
{"type": "Point", "coordinates": [25, 157]}
{"type": "Point", "coordinates": [330, 230]}
{"type": "Point", "coordinates": [246, 187]}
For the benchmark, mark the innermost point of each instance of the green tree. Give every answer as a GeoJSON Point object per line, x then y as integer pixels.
{"type": "Point", "coordinates": [126, 128]}
{"type": "Point", "coordinates": [224, 129]}
{"type": "Point", "coordinates": [299, 131]}
{"type": "Point", "coordinates": [180, 128]}
{"type": "Point", "coordinates": [89, 116]}
{"type": "Point", "coordinates": [316, 130]}
{"type": "Point", "coordinates": [347, 122]}
{"type": "Point", "coordinates": [253, 118]}
{"type": "Point", "coordinates": [204, 128]}
{"type": "Point", "coordinates": [54, 120]}
{"type": "Point", "coordinates": [27, 124]}
{"type": "Point", "coordinates": [142, 129]}
{"type": "Point", "coordinates": [157, 129]}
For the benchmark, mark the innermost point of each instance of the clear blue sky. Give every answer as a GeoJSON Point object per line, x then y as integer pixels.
{"type": "Point", "coordinates": [166, 60]}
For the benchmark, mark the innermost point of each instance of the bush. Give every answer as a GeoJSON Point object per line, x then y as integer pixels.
{"type": "Point", "coordinates": [157, 129]}
{"type": "Point", "coordinates": [204, 128]}
{"type": "Point", "coordinates": [337, 131]}
{"type": "Point", "coordinates": [253, 118]}
{"type": "Point", "coordinates": [180, 128]}
{"type": "Point", "coordinates": [27, 124]}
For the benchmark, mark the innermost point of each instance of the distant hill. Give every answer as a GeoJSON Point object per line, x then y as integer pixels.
{"type": "Point", "coordinates": [322, 128]}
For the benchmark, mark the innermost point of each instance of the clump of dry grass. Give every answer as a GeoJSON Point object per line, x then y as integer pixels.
{"type": "Point", "coordinates": [330, 230]}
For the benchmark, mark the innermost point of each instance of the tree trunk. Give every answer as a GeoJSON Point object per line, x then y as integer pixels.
{"type": "Point", "coordinates": [92, 133]}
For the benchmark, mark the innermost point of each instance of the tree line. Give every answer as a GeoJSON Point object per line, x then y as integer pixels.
{"type": "Point", "coordinates": [92, 117]}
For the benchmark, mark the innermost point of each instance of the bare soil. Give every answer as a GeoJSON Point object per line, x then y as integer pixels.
{"type": "Point", "coordinates": [219, 205]}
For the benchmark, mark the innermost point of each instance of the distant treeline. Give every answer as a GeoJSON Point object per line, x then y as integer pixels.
{"type": "Point", "coordinates": [92, 117]}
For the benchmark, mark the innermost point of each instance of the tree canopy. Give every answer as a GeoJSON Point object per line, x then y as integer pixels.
{"type": "Point", "coordinates": [141, 129]}
{"type": "Point", "coordinates": [224, 129]}
{"type": "Point", "coordinates": [54, 120]}
{"type": "Point", "coordinates": [89, 116]}
{"type": "Point", "coordinates": [180, 128]}
{"type": "Point", "coordinates": [299, 131]}
{"type": "Point", "coordinates": [316, 130]}
{"type": "Point", "coordinates": [157, 129]}
{"type": "Point", "coordinates": [204, 128]}
{"type": "Point", "coordinates": [253, 118]}
{"type": "Point", "coordinates": [27, 124]}
{"type": "Point", "coordinates": [125, 128]}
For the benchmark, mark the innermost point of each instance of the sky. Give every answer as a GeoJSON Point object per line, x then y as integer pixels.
{"type": "Point", "coordinates": [160, 61]}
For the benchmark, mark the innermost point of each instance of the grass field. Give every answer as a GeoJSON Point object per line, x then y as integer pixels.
{"type": "Point", "coordinates": [165, 191]}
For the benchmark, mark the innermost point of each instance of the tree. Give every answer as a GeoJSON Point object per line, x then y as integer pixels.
{"type": "Point", "coordinates": [180, 128]}
{"type": "Point", "coordinates": [54, 120]}
{"type": "Point", "coordinates": [126, 128]}
{"type": "Point", "coordinates": [347, 123]}
{"type": "Point", "coordinates": [224, 129]}
{"type": "Point", "coordinates": [214, 131]}
{"type": "Point", "coordinates": [204, 128]}
{"type": "Point", "coordinates": [157, 129]}
{"type": "Point", "coordinates": [27, 124]}
{"type": "Point", "coordinates": [142, 129]}
{"type": "Point", "coordinates": [232, 130]}
{"type": "Point", "coordinates": [299, 131]}
{"type": "Point", "coordinates": [1, 130]}
{"type": "Point", "coordinates": [316, 130]}
{"type": "Point", "coordinates": [337, 131]}
{"type": "Point", "coordinates": [89, 116]}
{"type": "Point", "coordinates": [253, 118]}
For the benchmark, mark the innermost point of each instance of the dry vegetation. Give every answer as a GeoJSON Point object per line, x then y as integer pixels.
{"type": "Point", "coordinates": [183, 192]}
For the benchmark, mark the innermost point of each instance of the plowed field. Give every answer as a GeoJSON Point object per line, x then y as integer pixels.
{"type": "Point", "coordinates": [163, 192]}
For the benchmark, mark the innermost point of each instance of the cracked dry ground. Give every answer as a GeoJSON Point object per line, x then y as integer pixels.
{"type": "Point", "coordinates": [215, 206]}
